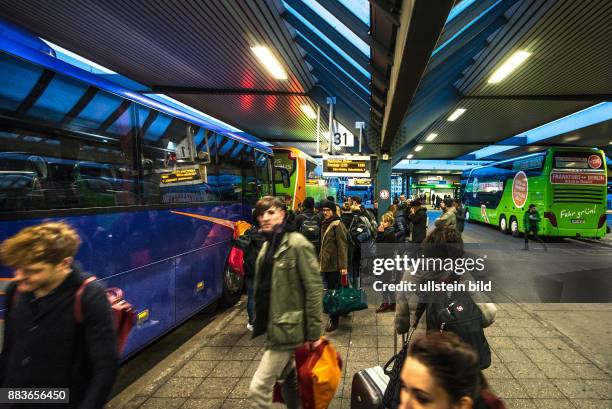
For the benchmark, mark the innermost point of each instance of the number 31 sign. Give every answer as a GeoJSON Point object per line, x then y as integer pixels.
{"type": "Point", "coordinates": [343, 139]}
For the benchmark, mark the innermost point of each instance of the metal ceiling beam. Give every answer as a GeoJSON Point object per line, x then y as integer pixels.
{"type": "Point", "coordinates": [358, 56]}
{"type": "Point", "coordinates": [336, 76]}
{"type": "Point", "coordinates": [551, 97]}
{"type": "Point", "coordinates": [327, 29]}
{"type": "Point", "coordinates": [342, 62]}
{"type": "Point", "coordinates": [169, 89]}
{"type": "Point", "coordinates": [416, 39]}
{"type": "Point", "coordinates": [347, 17]}
{"type": "Point", "coordinates": [388, 9]}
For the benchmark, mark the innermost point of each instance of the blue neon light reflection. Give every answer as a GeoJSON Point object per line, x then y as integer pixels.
{"type": "Point", "coordinates": [337, 24]}
{"type": "Point", "coordinates": [470, 24]}
{"type": "Point", "coordinates": [492, 150]}
{"type": "Point", "coordinates": [458, 9]}
{"type": "Point", "coordinates": [334, 63]}
{"type": "Point", "coordinates": [323, 37]}
{"type": "Point", "coordinates": [581, 119]}
{"type": "Point", "coordinates": [589, 116]}
{"type": "Point", "coordinates": [360, 8]}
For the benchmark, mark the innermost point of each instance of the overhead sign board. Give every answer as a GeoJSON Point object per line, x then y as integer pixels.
{"type": "Point", "coordinates": [346, 165]}
{"type": "Point", "coordinates": [360, 182]}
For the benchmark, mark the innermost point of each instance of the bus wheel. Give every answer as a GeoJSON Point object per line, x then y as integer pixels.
{"type": "Point", "coordinates": [503, 225]}
{"type": "Point", "coordinates": [514, 226]}
{"type": "Point", "coordinates": [232, 287]}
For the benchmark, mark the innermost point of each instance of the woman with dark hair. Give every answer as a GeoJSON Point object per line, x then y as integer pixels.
{"type": "Point", "coordinates": [441, 372]}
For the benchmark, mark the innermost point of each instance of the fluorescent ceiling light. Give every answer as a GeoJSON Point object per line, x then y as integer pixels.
{"type": "Point", "coordinates": [418, 148]}
{"type": "Point", "coordinates": [511, 64]}
{"type": "Point", "coordinates": [412, 156]}
{"type": "Point", "coordinates": [310, 113]}
{"type": "Point", "coordinates": [270, 62]}
{"type": "Point", "coordinates": [458, 112]}
{"type": "Point", "coordinates": [431, 137]}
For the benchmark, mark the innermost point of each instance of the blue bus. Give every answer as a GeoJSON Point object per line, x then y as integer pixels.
{"type": "Point", "coordinates": [154, 192]}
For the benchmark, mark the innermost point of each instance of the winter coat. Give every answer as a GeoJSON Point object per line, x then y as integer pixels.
{"type": "Point", "coordinates": [401, 226]}
{"type": "Point", "coordinates": [387, 236]}
{"type": "Point", "coordinates": [334, 246]}
{"type": "Point", "coordinates": [296, 293]}
{"type": "Point", "coordinates": [447, 219]}
{"type": "Point", "coordinates": [419, 224]}
{"type": "Point", "coordinates": [460, 216]}
{"type": "Point", "coordinates": [527, 221]}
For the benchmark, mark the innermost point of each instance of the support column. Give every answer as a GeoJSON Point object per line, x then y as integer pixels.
{"type": "Point", "coordinates": [383, 182]}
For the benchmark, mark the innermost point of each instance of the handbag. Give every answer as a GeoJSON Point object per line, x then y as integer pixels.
{"type": "Point", "coordinates": [319, 371]}
{"type": "Point", "coordinates": [344, 300]}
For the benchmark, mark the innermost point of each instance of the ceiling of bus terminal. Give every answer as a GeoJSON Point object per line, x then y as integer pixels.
{"type": "Point", "coordinates": [190, 43]}
{"type": "Point", "coordinates": [207, 45]}
{"type": "Point", "coordinates": [571, 56]}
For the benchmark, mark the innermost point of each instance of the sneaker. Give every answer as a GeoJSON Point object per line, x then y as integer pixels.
{"type": "Point", "coordinates": [250, 326]}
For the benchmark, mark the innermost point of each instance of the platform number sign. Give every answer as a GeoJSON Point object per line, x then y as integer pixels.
{"type": "Point", "coordinates": [343, 139]}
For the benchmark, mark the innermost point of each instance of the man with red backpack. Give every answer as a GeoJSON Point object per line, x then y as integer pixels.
{"type": "Point", "coordinates": [46, 345]}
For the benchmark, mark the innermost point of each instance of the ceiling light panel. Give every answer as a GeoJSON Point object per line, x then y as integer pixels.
{"type": "Point", "coordinates": [269, 61]}
{"type": "Point", "coordinates": [516, 60]}
{"type": "Point", "coordinates": [455, 115]}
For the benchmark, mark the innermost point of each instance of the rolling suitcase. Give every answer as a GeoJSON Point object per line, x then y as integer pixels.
{"type": "Point", "coordinates": [368, 388]}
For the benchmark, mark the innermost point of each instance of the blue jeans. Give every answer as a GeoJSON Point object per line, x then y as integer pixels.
{"type": "Point", "coordinates": [250, 301]}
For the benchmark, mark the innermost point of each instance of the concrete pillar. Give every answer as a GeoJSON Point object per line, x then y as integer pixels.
{"type": "Point", "coordinates": [383, 182]}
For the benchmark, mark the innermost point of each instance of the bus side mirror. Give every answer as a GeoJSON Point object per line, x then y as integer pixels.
{"type": "Point", "coordinates": [282, 175]}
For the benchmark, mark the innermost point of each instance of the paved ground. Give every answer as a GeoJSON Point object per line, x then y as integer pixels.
{"type": "Point", "coordinates": [545, 355]}
{"type": "Point", "coordinates": [534, 365]}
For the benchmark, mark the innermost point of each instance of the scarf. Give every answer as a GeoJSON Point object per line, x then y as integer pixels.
{"type": "Point", "coordinates": [263, 277]}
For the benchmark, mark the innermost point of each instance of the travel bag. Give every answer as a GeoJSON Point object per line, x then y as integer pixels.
{"type": "Point", "coordinates": [368, 388]}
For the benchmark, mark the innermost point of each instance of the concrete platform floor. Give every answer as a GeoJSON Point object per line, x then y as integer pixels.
{"type": "Point", "coordinates": [535, 365]}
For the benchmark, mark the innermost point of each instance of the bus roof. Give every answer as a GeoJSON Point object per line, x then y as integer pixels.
{"type": "Point", "coordinates": [297, 152]}
{"type": "Point", "coordinates": [531, 155]}
{"type": "Point", "coordinates": [49, 62]}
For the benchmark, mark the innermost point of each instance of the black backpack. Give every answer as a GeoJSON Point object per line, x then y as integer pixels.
{"type": "Point", "coordinates": [311, 229]}
{"type": "Point", "coordinates": [361, 230]}
{"type": "Point", "coordinates": [456, 312]}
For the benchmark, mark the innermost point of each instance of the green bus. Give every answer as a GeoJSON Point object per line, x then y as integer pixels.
{"type": "Point", "coordinates": [301, 184]}
{"type": "Point", "coordinates": [568, 186]}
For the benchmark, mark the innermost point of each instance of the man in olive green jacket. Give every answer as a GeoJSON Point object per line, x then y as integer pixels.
{"type": "Point", "coordinates": [448, 217]}
{"type": "Point", "coordinates": [288, 303]}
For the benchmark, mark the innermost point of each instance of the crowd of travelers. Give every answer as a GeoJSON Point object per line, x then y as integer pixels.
{"type": "Point", "coordinates": [291, 259]}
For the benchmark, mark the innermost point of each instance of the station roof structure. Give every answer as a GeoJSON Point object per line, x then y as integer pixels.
{"type": "Point", "coordinates": [403, 67]}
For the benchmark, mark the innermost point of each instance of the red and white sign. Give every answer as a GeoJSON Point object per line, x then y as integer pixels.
{"type": "Point", "coordinates": [383, 194]}
{"type": "Point", "coordinates": [520, 189]}
{"type": "Point", "coordinates": [578, 178]}
{"type": "Point", "coordinates": [594, 161]}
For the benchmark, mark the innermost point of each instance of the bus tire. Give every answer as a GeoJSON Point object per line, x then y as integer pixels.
{"type": "Point", "coordinates": [503, 224]}
{"type": "Point", "coordinates": [514, 227]}
{"type": "Point", "coordinates": [232, 287]}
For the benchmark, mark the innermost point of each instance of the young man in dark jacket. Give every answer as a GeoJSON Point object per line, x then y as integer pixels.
{"type": "Point", "coordinates": [44, 345]}
{"type": "Point", "coordinates": [531, 224]}
{"type": "Point", "coordinates": [418, 220]}
{"type": "Point", "coordinates": [334, 253]}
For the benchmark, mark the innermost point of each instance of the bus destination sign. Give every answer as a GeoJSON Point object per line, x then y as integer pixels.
{"type": "Point", "coordinates": [346, 166]}
{"type": "Point", "coordinates": [578, 178]}
{"type": "Point", "coordinates": [181, 176]}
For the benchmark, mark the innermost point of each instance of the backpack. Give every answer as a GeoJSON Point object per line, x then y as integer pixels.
{"type": "Point", "coordinates": [361, 230]}
{"type": "Point", "coordinates": [311, 229]}
{"type": "Point", "coordinates": [123, 312]}
{"type": "Point", "coordinates": [456, 312]}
